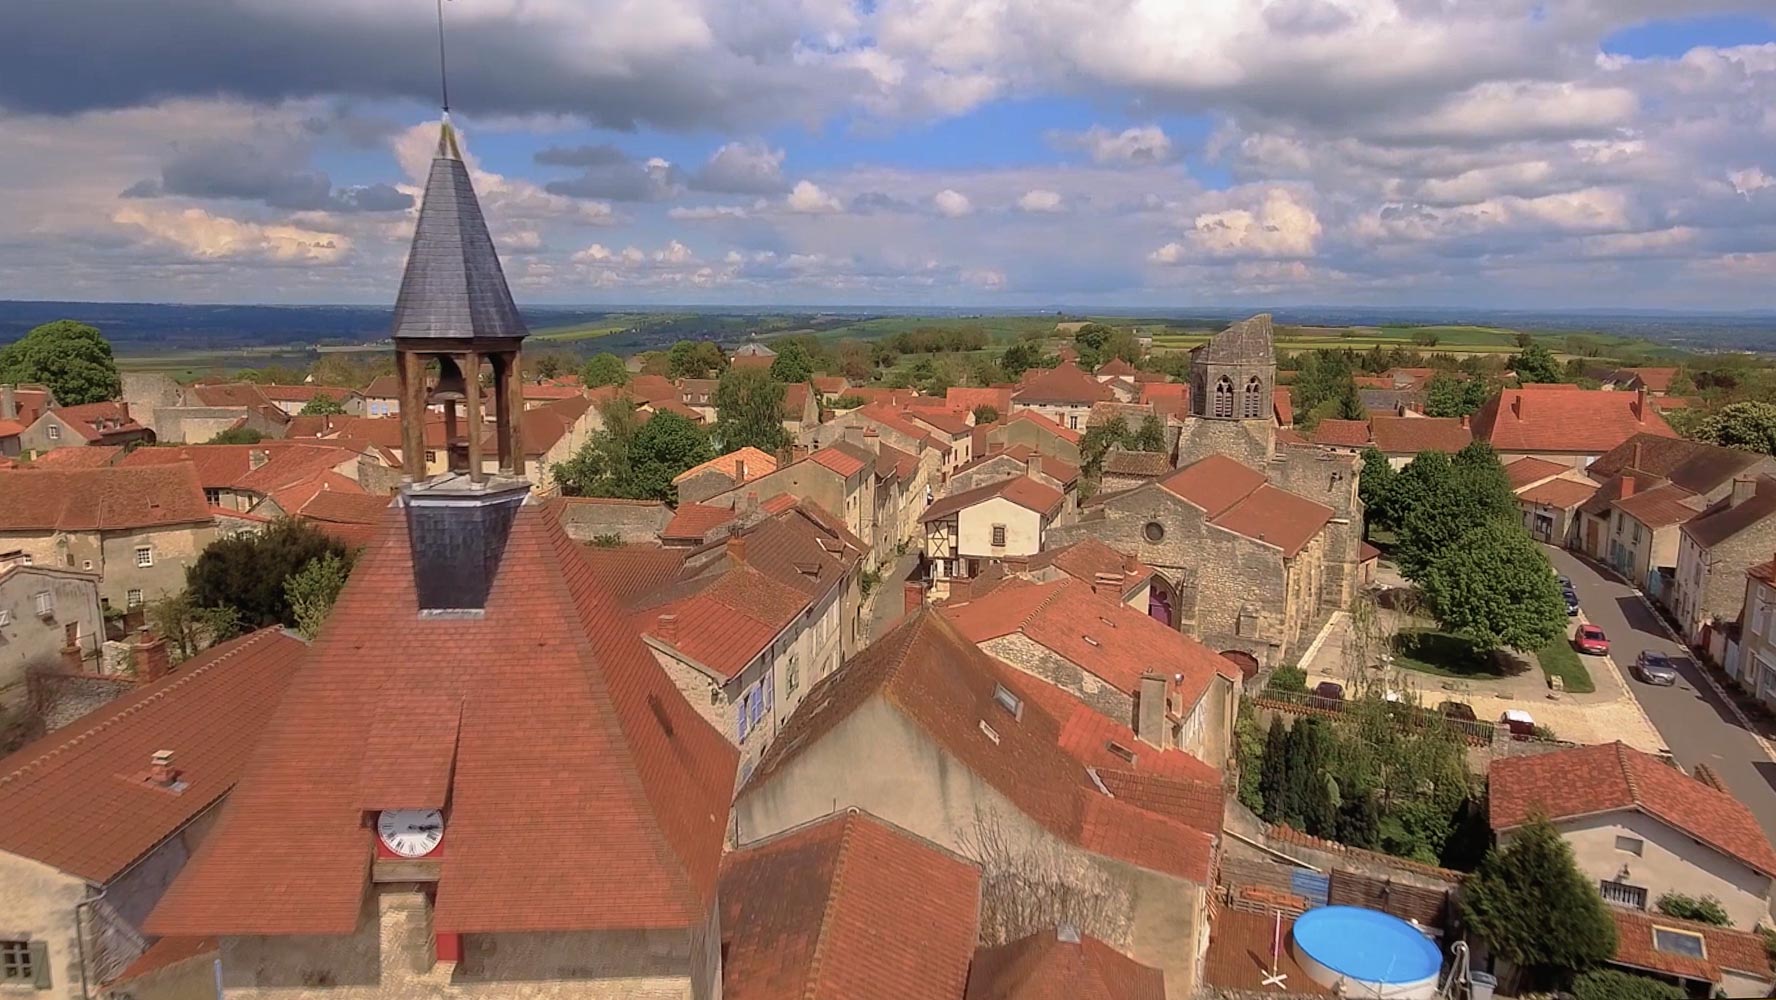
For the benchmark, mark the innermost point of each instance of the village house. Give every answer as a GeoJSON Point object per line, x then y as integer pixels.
{"type": "Point", "coordinates": [1094, 564]}
{"type": "Point", "coordinates": [50, 619]}
{"type": "Point", "coordinates": [1656, 381]}
{"type": "Point", "coordinates": [970, 753]}
{"type": "Point", "coordinates": [840, 478]}
{"type": "Point", "coordinates": [801, 410]}
{"type": "Point", "coordinates": [1028, 968]}
{"type": "Point", "coordinates": [268, 479]}
{"type": "Point", "coordinates": [723, 473]}
{"type": "Point", "coordinates": [699, 395]}
{"type": "Point", "coordinates": [1063, 394]}
{"type": "Point", "coordinates": [1032, 430]}
{"type": "Point", "coordinates": [752, 354]}
{"type": "Point", "coordinates": [1644, 529]}
{"type": "Point", "coordinates": [954, 429]}
{"type": "Point", "coordinates": [1757, 637]}
{"type": "Point", "coordinates": [1018, 460]}
{"type": "Point", "coordinates": [1402, 439]}
{"type": "Point", "coordinates": [1564, 423]}
{"type": "Point", "coordinates": [292, 398]}
{"type": "Point", "coordinates": [103, 813]}
{"type": "Point", "coordinates": [1122, 469]}
{"type": "Point", "coordinates": [890, 424]}
{"type": "Point", "coordinates": [1006, 519]}
{"type": "Point", "coordinates": [1640, 827]}
{"type": "Point", "coordinates": [1714, 551]}
{"type": "Point", "coordinates": [382, 397]}
{"type": "Point", "coordinates": [1701, 959]}
{"type": "Point", "coordinates": [830, 387]}
{"type": "Point", "coordinates": [1549, 496]}
{"type": "Point", "coordinates": [352, 519]}
{"type": "Point", "coordinates": [137, 528]}
{"type": "Point", "coordinates": [92, 424]}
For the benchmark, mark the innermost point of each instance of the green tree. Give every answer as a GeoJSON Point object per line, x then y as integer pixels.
{"type": "Point", "coordinates": [1425, 338]}
{"type": "Point", "coordinates": [322, 405]}
{"type": "Point", "coordinates": [248, 571]}
{"type": "Point", "coordinates": [71, 358]}
{"type": "Point", "coordinates": [1120, 344]}
{"type": "Point", "coordinates": [1151, 436]}
{"type": "Point", "coordinates": [792, 364]}
{"type": "Point", "coordinates": [1535, 363]}
{"type": "Point", "coordinates": [1614, 984]}
{"type": "Point", "coordinates": [1440, 500]}
{"type": "Point", "coordinates": [1090, 340]}
{"type": "Point", "coordinates": [1250, 747]}
{"type": "Point", "coordinates": [1495, 586]}
{"type": "Point", "coordinates": [189, 626]}
{"type": "Point", "coordinates": [665, 446]}
{"type": "Point", "coordinates": [1375, 487]}
{"type": "Point", "coordinates": [749, 411]}
{"type": "Point", "coordinates": [1021, 357]}
{"type": "Point", "coordinates": [1273, 773]}
{"type": "Point", "coordinates": [1350, 403]}
{"type": "Point", "coordinates": [603, 368]}
{"type": "Point", "coordinates": [1450, 395]}
{"type": "Point", "coordinates": [1309, 796]}
{"type": "Point", "coordinates": [985, 413]}
{"type": "Point", "coordinates": [1530, 904]}
{"type": "Point", "coordinates": [694, 359]}
{"type": "Point", "coordinates": [1681, 383]}
{"type": "Point", "coordinates": [1705, 909]}
{"type": "Point", "coordinates": [548, 366]}
{"type": "Point", "coordinates": [1749, 425]}
{"type": "Point", "coordinates": [603, 461]}
{"type": "Point", "coordinates": [1098, 439]}
{"type": "Point", "coordinates": [312, 590]}
{"type": "Point", "coordinates": [237, 435]}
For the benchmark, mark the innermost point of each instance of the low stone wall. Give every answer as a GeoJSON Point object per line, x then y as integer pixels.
{"type": "Point", "coordinates": [58, 698]}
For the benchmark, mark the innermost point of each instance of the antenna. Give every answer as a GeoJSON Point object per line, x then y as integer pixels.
{"type": "Point", "coordinates": [443, 73]}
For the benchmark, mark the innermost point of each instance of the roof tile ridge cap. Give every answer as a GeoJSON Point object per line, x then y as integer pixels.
{"type": "Point", "coordinates": [98, 727]}
{"type": "Point", "coordinates": [1627, 766]}
{"type": "Point", "coordinates": [811, 989]}
{"type": "Point", "coordinates": [1043, 605]}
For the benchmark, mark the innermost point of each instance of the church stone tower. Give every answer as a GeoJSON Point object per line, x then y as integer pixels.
{"type": "Point", "coordinates": [455, 310]}
{"type": "Point", "coordinates": [1231, 382]}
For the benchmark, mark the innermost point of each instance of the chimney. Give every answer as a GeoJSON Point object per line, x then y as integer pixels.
{"type": "Point", "coordinates": [257, 457]}
{"type": "Point", "coordinates": [1640, 404]}
{"type": "Point", "coordinates": [750, 502]}
{"type": "Point", "coordinates": [912, 596]}
{"type": "Point", "coordinates": [854, 435]}
{"type": "Point", "coordinates": [72, 662]}
{"type": "Point", "coordinates": [149, 657]}
{"type": "Point", "coordinates": [1636, 464]}
{"type": "Point", "coordinates": [1109, 585]}
{"type": "Point", "coordinates": [1464, 421]}
{"type": "Point", "coordinates": [1130, 565]}
{"type": "Point", "coordinates": [740, 470]}
{"type": "Point", "coordinates": [1744, 488]}
{"type": "Point", "coordinates": [160, 769]}
{"type": "Point", "coordinates": [737, 547]}
{"type": "Point", "coordinates": [1150, 710]}
{"type": "Point", "coordinates": [961, 589]}
{"type": "Point", "coordinates": [667, 629]}
{"type": "Point", "coordinates": [8, 403]}
{"type": "Point", "coordinates": [1627, 488]}
{"type": "Point", "coordinates": [1033, 466]}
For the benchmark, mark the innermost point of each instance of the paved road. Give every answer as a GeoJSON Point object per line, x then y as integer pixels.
{"type": "Point", "coordinates": [891, 604]}
{"type": "Point", "coordinates": [1698, 725]}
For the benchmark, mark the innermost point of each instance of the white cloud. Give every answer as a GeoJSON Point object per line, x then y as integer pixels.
{"type": "Point", "coordinates": [204, 236]}
{"type": "Point", "coordinates": [1277, 226]}
{"type": "Point", "coordinates": [1750, 179]}
{"type": "Point", "coordinates": [1040, 200]}
{"type": "Point", "coordinates": [1138, 145]}
{"type": "Point", "coordinates": [807, 198]}
{"type": "Point", "coordinates": [952, 204]}
{"type": "Point", "coordinates": [707, 213]}
{"type": "Point", "coordinates": [742, 168]}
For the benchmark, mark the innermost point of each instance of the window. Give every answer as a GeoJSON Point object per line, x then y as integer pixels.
{"type": "Point", "coordinates": [212, 496]}
{"type": "Point", "coordinates": [792, 678]}
{"type": "Point", "coordinates": [431, 456]}
{"type": "Point", "coordinates": [1675, 942]}
{"type": "Point", "coordinates": [24, 962]}
{"type": "Point", "coordinates": [45, 603]}
{"type": "Point", "coordinates": [1121, 751]}
{"type": "Point", "coordinates": [133, 598]}
{"type": "Point", "coordinates": [1008, 701]}
{"type": "Point", "coordinates": [1254, 402]}
{"type": "Point", "coordinates": [1632, 845]}
{"type": "Point", "coordinates": [54, 432]}
{"type": "Point", "coordinates": [1637, 534]}
{"type": "Point", "coordinates": [144, 555]}
{"type": "Point", "coordinates": [1224, 397]}
{"type": "Point", "coordinates": [1073, 421]}
{"type": "Point", "coordinates": [998, 534]}
{"type": "Point", "coordinates": [745, 714]}
{"type": "Point", "coordinates": [1154, 531]}
{"type": "Point", "coordinates": [5, 616]}
{"type": "Point", "coordinates": [86, 564]}
{"type": "Point", "coordinates": [1622, 894]}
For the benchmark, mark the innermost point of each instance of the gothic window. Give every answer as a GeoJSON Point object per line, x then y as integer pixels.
{"type": "Point", "coordinates": [1224, 397]}
{"type": "Point", "coordinates": [1254, 402]}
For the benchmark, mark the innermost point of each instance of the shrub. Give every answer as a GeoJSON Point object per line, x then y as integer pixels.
{"type": "Point", "coordinates": [1706, 909]}
{"type": "Point", "coordinates": [1608, 984]}
{"type": "Point", "coordinates": [1287, 679]}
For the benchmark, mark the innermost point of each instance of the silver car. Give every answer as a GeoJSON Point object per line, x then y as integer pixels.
{"type": "Point", "coordinates": [1655, 668]}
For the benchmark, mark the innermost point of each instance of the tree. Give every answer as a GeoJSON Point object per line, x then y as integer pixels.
{"type": "Point", "coordinates": [548, 366]}
{"type": "Point", "coordinates": [1350, 402]}
{"type": "Point", "coordinates": [322, 405]}
{"type": "Point", "coordinates": [248, 571]}
{"type": "Point", "coordinates": [1309, 801]}
{"type": "Point", "coordinates": [1530, 904]}
{"type": "Point", "coordinates": [604, 368]}
{"type": "Point", "coordinates": [190, 627]}
{"type": "Point", "coordinates": [985, 413]}
{"type": "Point", "coordinates": [1151, 436]}
{"type": "Point", "coordinates": [1614, 984]}
{"type": "Point", "coordinates": [1450, 395]}
{"type": "Point", "coordinates": [1705, 909]}
{"type": "Point", "coordinates": [1425, 338]}
{"type": "Point", "coordinates": [1495, 586]}
{"type": "Point", "coordinates": [1375, 487]}
{"type": "Point", "coordinates": [1273, 772]}
{"type": "Point", "coordinates": [1090, 340]}
{"type": "Point", "coordinates": [631, 459]}
{"type": "Point", "coordinates": [1436, 501]}
{"type": "Point", "coordinates": [1021, 357]}
{"type": "Point", "coordinates": [237, 435]}
{"type": "Point", "coordinates": [71, 358]}
{"type": "Point", "coordinates": [1535, 363]}
{"type": "Point", "coordinates": [694, 359]}
{"type": "Point", "coordinates": [792, 364]}
{"type": "Point", "coordinates": [1749, 425]}
{"type": "Point", "coordinates": [749, 411]}
{"type": "Point", "coordinates": [1100, 438]}
{"type": "Point", "coordinates": [604, 459]}
{"type": "Point", "coordinates": [312, 590]}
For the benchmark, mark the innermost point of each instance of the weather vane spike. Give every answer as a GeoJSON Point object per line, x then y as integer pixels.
{"type": "Point", "coordinates": [443, 72]}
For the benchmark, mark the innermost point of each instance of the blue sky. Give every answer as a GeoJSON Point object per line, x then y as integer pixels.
{"type": "Point", "coordinates": [1503, 153]}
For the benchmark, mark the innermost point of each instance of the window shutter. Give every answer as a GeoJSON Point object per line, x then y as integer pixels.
{"type": "Point", "coordinates": [40, 964]}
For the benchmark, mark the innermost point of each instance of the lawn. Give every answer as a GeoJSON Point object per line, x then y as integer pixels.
{"type": "Point", "coordinates": [1442, 654]}
{"type": "Point", "coordinates": [1559, 659]}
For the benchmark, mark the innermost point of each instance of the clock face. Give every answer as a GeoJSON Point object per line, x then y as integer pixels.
{"type": "Point", "coordinates": [411, 833]}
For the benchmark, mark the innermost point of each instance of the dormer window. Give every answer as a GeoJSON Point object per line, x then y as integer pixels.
{"type": "Point", "coordinates": [1008, 701]}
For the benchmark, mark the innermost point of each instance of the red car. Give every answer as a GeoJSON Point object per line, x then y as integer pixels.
{"type": "Point", "coordinates": [1591, 640]}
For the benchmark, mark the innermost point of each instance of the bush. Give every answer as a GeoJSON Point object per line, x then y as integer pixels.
{"type": "Point", "coordinates": [1608, 984]}
{"type": "Point", "coordinates": [1287, 679]}
{"type": "Point", "coordinates": [1706, 909]}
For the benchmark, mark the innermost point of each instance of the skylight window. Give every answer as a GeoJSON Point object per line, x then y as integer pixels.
{"type": "Point", "coordinates": [991, 733]}
{"type": "Point", "coordinates": [1121, 751]}
{"type": "Point", "coordinates": [1090, 641]}
{"type": "Point", "coordinates": [1008, 701]}
{"type": "Point", "coordinates": [1675, 942]}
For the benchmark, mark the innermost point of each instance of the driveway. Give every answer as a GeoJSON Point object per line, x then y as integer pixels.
{"type": "Point", "coordinates": [1698, 725]}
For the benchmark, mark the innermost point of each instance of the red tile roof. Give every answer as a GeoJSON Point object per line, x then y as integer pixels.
{"type": "Point", "coordinates": [1655, 379]}
{"type": "Point", "coordinates": [97, 421]}
{"type": "Point", "coordinates": [847, 908]}
{"type": "Point", "coordinates": [1282, 405]}
{"type": "Point", "coordinates": [1341, 433]}
{"type": "Point", "coordinates": [1115, 367]}
{"type": "Point", "coordinates": [586, 792]}
{"type": "Point", "coordinates": [838, 460]}
{"type": "Point", "coordinates": [1059, 964]}
{"type": "Point", "coordinates": [1066, 384]}
{"type": "Point", "coordinates": [305, 393]}
{"type": "Point", "coordinates": [93, 456]}
{"type": "Point", "coordinates": [350, 517]}
{"type": "Point", "coordinates": [1584, 781]}
{"type": "Point", "coordinates": [755, 463]}
{"type": "Point", "coordinates": [1529, 469]}
{"type": "Point", "coordinates": [1021, 490]}
{"type": "Point", "coordinates": [76, 801]}
{"type": "Point", "coordinates": [965, 399]}
{"type": "Point", "coordinates": [1214, 483]}
{"type": "Point", "coordinates": [1563, 493]}
{"type": "Point", "coordinates": [944, 421]}
{"type": "Point", "coordinates": [1564, 420]}
{"type": "Point", "coordinates": [795, 400]}
{"type": "Point", "coordinates": [1276, 517]}
{"type": "Point", "coordinates": [1411, 435]}
{"type": "Point", "coordinates": [1723, 948]}
{"type": "Point", "coordinates": [694, 521]}
{"type": "Point", "coordinates": [1725, 519]}
{"type": "Point", "coordinates": [106, 499]}
{"type": "Point", "coordinates": [1660, 507]}
{"type": "Point", "coordinates": [165, 953]}
{"type": "Point", "coordinates": [1054, 468]}
{"type": "Point", "coordinates": [1170, 399]}
{"type": "Point", "coordinates": [925, 669]}
{"type": "Point", "coordinates": [831, 385]}
{"type": "Point", "coordinates": [632, 572]}
{"type": "Point", "coordinates": [726, 623]}
{"type": "Point", "coordinates": [1085, 559]}
{"type": "Point", "coordinates": [383, 387]}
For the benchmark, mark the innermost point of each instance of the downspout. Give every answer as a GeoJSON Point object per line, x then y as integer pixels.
{"type": "Point", "coordinates": [80, 939]}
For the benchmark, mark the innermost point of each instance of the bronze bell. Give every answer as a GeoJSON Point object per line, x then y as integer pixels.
{"type": "Point", "coordinates": [450, 387]}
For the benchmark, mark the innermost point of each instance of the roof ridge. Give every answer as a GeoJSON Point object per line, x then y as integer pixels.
{"type": "Point", "coordinates": [154, 697]}
{"type": "Point", "coordinates": [842, 856]}
{"type": "Point", "coordinates": [1627, 767]}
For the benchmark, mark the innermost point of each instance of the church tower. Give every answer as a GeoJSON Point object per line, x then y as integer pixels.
{"type": "Point", "coordinates": [455, 311]}
{"type": "Point", "coordinates": [1232, 378]}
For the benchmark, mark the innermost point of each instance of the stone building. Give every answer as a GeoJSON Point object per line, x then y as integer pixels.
{"type": "Point", "coordinates": [106, 424]}
{"type": "Point", "coordinates": [1006, 519]}
{"type": "Point", "coordinates": [1757, 639]}
{"type": "Point", "coordinates": [1716, 548]}
{"type": "Point", "coordinates": [50, 619]}
{"type": "Point", "coordinates": [1064, 394]}
{"type": "Point", "coordinates": [722, 473]}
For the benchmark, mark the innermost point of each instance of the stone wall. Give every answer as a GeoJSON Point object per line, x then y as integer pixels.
{"type": "Point", "coordinates": [631, 521]}
{"type": "Point", "coordinates": [59, 698]}
{"type": "Point", "coordinates": [1039, 661]}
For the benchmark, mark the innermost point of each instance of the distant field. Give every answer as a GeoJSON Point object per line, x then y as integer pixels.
{"type": "Point", "coordinates": [588, 331]}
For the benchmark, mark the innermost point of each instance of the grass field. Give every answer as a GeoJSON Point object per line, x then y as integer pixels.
{"type": "Point", "coordinates": [1442, 654]}
{"type": "Point", "coordinates": [1559, 659]}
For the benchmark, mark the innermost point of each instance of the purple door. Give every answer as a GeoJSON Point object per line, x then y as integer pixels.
{"type": "Point", "coordinates": [1159, 606]}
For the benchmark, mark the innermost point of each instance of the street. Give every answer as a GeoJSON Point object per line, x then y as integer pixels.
{"type": "Point", "coordinates": [1698, 726]}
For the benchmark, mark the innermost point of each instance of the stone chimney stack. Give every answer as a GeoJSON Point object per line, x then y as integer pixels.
{"type": "Point", "coordinates": [912, 595]}
{"type": "Point", "coordinates": [1640, 404]}
{"type": "Point", "coordinates": [1636, 464]}
{"type": "Point", "coordinates": [1033, 466]}
{"type": "Point", "coordinates": [1744, 488]}
{"type": "Point", "coordinates": [667, 629]}
{"type": "Point", "coordinates": [1517, 404]}
{"type": "Point", "coordinates": [740, 470]}
{"type": "Point", "coordinates": [737, 547]}
{"type": "Point", "coordinates": [149, 657]}
{"type": "Point", "coordinates": [1627, 487]}
{"type": "Point", "coordinates": [1150, 710]}
{"type": "Point", "coordinates": [8, 403]}
{"type": "Point", "coordinates": [160, 769]}
{"type": "Point", "coordinates": [1108, 585]}
{"type": "Point", "coordinates": [1130, 565]}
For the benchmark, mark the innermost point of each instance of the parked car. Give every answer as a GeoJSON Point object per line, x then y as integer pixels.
{"type": "Point", "coordinates": [1459, 710]}
{"type": "Point", "coordinates": [1591, 639]}
{"type": "Point", "coordinates": [1520, 723]}
{"type": "Point", "coordinates": [1566, 582]}
{"type": "Point", "coordinates": [1655, 668]}
{"type": "Point", "coordinates": [1572, 602]}
{"type": "Point", "coordinates": [1329, 691]}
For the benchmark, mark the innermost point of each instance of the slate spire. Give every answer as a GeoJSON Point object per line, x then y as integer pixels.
{"type": "Point", "coordinates": [453, 288]}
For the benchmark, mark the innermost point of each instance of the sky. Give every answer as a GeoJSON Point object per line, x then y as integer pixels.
{"type": "Point", "coordinates": [1541, 154]}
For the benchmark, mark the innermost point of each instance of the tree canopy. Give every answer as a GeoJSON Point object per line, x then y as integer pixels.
{"type": "Point", "coordinates": [633, 459]}
{"type": "Point", "coordinates": [603, 368]}
{"type": "Point", "coordinates": [1750, 425]}
{"type": "Point", "coordinates": [695, 359]}
{"type": "Point", "coordinates": [1495, 586]}
{"type": "Point", "coordinates": [1450, 395]}
{"type": "Point", "coordinates": [1021, 357]}
{"type": "Point", "coordinates": [237, 435]}
{"type": "Point", "coordinates": [1536, 363]}
{"type": "Point", "coordinates": [313, 589]}
{"type": "Point", "coordinates": [985, 413]}
{"type": "Point", "coordinates": [749, 411]}
{"type": "Point", "coordinates": [322, 405]}
{"type": "Point", "coordinates": [1151, 436]}
{"type": "Point", "coordinates": [1439, 500]}
{"type": "Point", "coordinates": [1530, 904]}
{"type": "Point", "coordinates": [73, 359]}
{"type": "Point", "coordinates": [248, 572]}
{"type": "Point", "coordinates": [1375, 487]}
{"type": "Point", "coordinates": [792, 363]}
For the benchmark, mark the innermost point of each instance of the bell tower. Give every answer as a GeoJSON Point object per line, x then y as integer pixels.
{"type": "Point", "coordinates": [455, 311]}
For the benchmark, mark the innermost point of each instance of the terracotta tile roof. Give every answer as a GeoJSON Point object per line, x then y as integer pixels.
{"type": "Point", "coordinates": [1656, 454]}
{"type": "Point", "coordinates": [1214, 483]}
{"type": "Point", "coordinates": [165, 953]}
{"type": "Point", "coordinates": [795, 400]}
{"type": "Point", "coordinates": [1240, 950]}
{"type": "Point", "coordinates": [632, 572]}
{"type": "Point", "coordinates": [940, 682]}
{"type": "Point", "coordinates": [653, 388]}
{"type": "Point", "coordinates": [1085, 559]}
{"type": "Point", "coordinates": [92, 456]}
{"type": "Point", "coordinates": [1563, 493]}
{"type": "Point", "coordinates": [1058, 964]}
{"type": "Point", "coordinates": [1282, 405]}
{"type": "Point", "coordinates": [832, 385]}
{"type": "Point", "coordinates": [896, 420]}
{"type": "Point", "coordinates": [76, 800]}
{"type": "Point", "coordinates": [1115, 367]}
{"type": "Point", "coordinates": [237, 394]}
{"type": "Point", "coordinates": [1661, 506]}
{"type": "Point", "coordinates": [877, 394]}
{"type": "Point", "coordinates": [755, 463]}
{"type": "Point", "coordinates": [31, 400]}
{"type": "Point", "coordinates": [694, 521]}
{"type": "Point", "coordinates": [305, 393]}
{"type": "Point", "coordinates": [1168, 399]}
{"type": "Point", "coordinates": [1032, 417]}
{"type": "Point", "coordinates": [847, 908]}
{"type": "Point", "coordinates": [1723, 948]}
{"type": "Point", "coordinates": [1565, 420]}
{"type": "Point", "coordinates": [801, 546]}
{"type": "Point", "coordinates": [1529, 469]}
{"type": "Point", "coordinates": [586, 793]}
{"type": "Point", "coordinates": [98, 421]}
{"type": "Point", "coordinates": [351, 518]}
{"type": "Point", "coordinates": [1765, 572]}
{"type": "Point", "coordinates": [1048, 465]}
{"type": "Point", "coordinates": [1726, 519]}
{"type": "Point", "coordinates": [1277, 517]}
{"type": "Point", "coordinates": [12, 428]}
{"type": "Point", "coordinates": [727, 622]}
{"type": "Point", "coordinates": [1066, 384]}
{"type": "Point", "coordinates": [533, 391]}
{"type": "Point", "coordinates": [953, 424]}
{"type": "Point", "coordinates": [1341, 433]}
{"type": "Point", "coordinates": [1655, 379]}
{"type": "Point", "coordinates": [1105, 638]}
{"type": "Point", "coordinates": [1411, 435]}
{"type": "Point", "coordinates": [105, 499]}
{"type": "Point", "coordinates": [1021, 490]}
{"type": "Point", "coordinates": [838, 460]}
{"type": "Point", "coordinates": [964, 399]}
{"type": "Point", "coordinates": [892, 463]}
{"type": "Point", "coordinates": [1583, 781]}
{"type": "Point", "coordinates": [1711, 467]}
